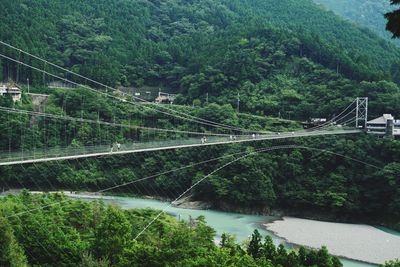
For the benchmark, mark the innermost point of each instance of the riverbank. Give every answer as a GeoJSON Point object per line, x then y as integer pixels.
{"type": "Point", "coordinates": [354, 241]}
{"type": "Point", "coordinates": [318, 215]}
{"type": "Point", "coordinates": [240, 225]}
{"type": "Point", "coordinates": [190, 203]}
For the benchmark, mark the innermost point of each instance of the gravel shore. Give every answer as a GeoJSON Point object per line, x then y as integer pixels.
{"type": "Point", "coordinates": [353, 241]}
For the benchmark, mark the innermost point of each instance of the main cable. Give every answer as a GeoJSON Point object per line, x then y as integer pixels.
{"type": "Point", "coordinates": [215, 124]}
{"type": "Point", "coordinates": [235, 160]}
{"type": "Point", "coordinates": [69, 118]}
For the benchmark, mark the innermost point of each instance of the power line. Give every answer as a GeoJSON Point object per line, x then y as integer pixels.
{"type": "Point", "coordinates": [215, 124]}
{"type": "Point", "coordinates": [194, 119]}
{"type": "Point", "coordinates": [207, 161]}
{"type": "Point", "coordinates": [69, 118]}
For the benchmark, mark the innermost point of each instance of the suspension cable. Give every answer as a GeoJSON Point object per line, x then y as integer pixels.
{"type": "Point", "coordinates": [238, 159]}
{"type": "Point", "coordinates": [69, 118]}
{"type": "Point", "coordinates": [199, 120]}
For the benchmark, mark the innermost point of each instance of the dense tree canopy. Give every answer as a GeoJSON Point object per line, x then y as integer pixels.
{"type": "Point", "coordinates": [299, 181]}
{"type": "Point", "coordinates": [76, 233]}
{"type": "Point", "coordinates": [364, 13]}
{"type": "Point", "coordinates": [208, 51]}
{"type": "Point", "coordinates": [288, 59]}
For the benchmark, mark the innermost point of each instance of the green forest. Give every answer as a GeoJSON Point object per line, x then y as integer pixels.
{"type": "Point", "coordinates": [287, 60]}
{"type": "Point", "coordinates": [90, 234]}
{"type": "Point", "coordinates": [298, 181]}
{"type": "Point", "coordinates": [365, 13]}
{"type": "Point", "coordinates": [215, 48]}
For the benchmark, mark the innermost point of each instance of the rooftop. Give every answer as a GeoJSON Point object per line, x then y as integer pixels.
{"type": "Point", "coordinates": [382, 119]}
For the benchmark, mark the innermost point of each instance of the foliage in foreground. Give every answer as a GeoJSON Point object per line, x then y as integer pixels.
{"type": "Point", "coordinates": [394, 263]}
{"type": "Point", "coordinates": [51, 230]}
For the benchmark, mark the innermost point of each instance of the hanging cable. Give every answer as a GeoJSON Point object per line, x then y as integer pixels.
{"type": "Point", "coordinates": [174, 112]}
{"type": "Point", "coordinates": [238, 159]}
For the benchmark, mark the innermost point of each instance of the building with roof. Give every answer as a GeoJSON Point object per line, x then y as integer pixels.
{"type": "Point", "coordinates": [165, 98]}
{"type": "Point", "coordinates": [11, 89]}
{"type": "Point", "coordinates": [384, 126]}
{"type": "Point", "coordinates": [3, 89]}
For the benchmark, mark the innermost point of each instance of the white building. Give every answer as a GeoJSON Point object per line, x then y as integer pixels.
{"type": "Point", "coordinates": [12, 90]}
{"type": "Point", "coordinates": [385, 125]}
{"type": "Point", "coordinates": [3, 89]}
{"type": "Point", "coordinates": [165, 97]}
{"type": "Point", "coordinates": [396, 130]}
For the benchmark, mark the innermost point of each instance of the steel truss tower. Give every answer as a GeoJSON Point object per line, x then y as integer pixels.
{"type": "Point", "coordinates": [362, 112]}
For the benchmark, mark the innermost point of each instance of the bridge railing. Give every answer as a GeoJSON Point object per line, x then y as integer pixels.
{"type": "Point", "coordinates": [56, 152]}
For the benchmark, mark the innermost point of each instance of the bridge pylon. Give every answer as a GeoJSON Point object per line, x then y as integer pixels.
{"type": "Point", "coordinates": [362, 112]}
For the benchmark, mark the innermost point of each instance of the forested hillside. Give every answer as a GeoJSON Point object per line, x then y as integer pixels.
{"type": "Point", "coordinates": [364, 13]}
{"type": "Point", "coordinates": [287, 58]}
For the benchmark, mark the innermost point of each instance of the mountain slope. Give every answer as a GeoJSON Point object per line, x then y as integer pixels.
{"type": "Point", "coordinates": [284, 57]}
{"type": "Point", "coordinates": [364, 13]}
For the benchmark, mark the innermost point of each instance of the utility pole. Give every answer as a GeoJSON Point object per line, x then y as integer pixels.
{"type": "Point", "coordinates": [207, 98]}
{"type": "Point", "coordinates": [238, 103]}
{"type": "Point", "coordinates": [27, 80]}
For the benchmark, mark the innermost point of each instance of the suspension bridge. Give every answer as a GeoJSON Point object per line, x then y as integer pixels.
{"type": "Point", "coordinates": [21, 157]}
{"type": "Point", "coordinates": [31, 137]}
{"type": "Point", "coordinates": [34, 137]}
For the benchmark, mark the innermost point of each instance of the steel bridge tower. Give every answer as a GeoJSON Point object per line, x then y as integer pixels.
{"type": "Point", "coordinates": [362, 112]}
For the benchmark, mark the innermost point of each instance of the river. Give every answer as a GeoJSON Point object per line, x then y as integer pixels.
{"type": "Point", "coordinates": [241, 225]}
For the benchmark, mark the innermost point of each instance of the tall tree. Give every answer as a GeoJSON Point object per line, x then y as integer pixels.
{"type": "Point", "coordinates": [112, 235]}
{"type": "Point", "coordinates": [11, 254]}
{"type": "Point", "coordinates": [255, 245]}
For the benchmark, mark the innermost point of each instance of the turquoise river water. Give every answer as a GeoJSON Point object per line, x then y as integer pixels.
{"type": "Point", "coordinates": [241, 225]}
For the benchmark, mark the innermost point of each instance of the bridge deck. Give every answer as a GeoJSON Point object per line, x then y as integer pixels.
{"type": "Point", "coordinates": [24, 157]}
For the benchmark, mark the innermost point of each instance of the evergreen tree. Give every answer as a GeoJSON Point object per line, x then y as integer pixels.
{"type": "Point", "coordinates": [112, 235]}
{"type": "Point", "coordinates": [268, 248]}
{"type": "Point", "coordinates": [255, 246]}
{"type": "Point", "coordinates": [11, 254]}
